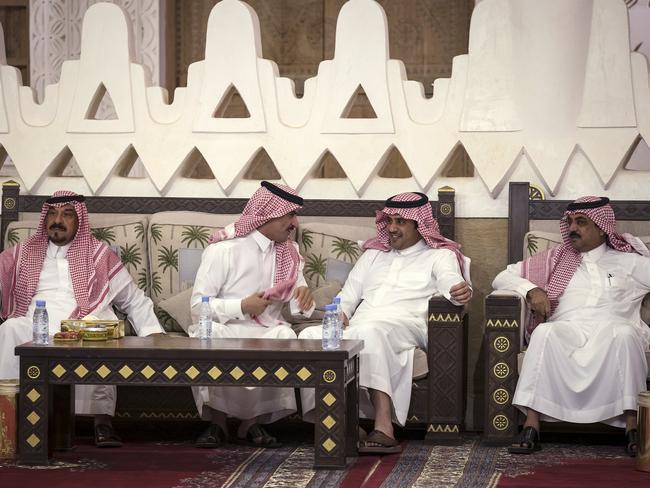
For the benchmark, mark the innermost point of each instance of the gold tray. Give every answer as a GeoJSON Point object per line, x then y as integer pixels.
{"type": "Point", "coordinates": [115, 327]}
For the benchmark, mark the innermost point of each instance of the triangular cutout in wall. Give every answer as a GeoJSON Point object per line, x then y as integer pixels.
{"type": "Point", "coordinates": [458, 165]}
{"type": "Point", "coordinates": [64, 164]}
{"type": "Point", "coordinates": [129, 165]}
{"type": "Point", "coordinates": [637, 157]}
{"type": "Point", "coordinates": [231, 106]}
{"type": "Point", "coordinates": [195, 166]}
{"type": "Point", "coordinates": [395, 166]}
{"type": "Point", "coordinates": [359, 106]}
{"type": "Point", "coordinates": [101, 105]}
{"type": "Point", "coordinates": [262, 168]}
{"type": "Point", "coordinates": [328, 167]}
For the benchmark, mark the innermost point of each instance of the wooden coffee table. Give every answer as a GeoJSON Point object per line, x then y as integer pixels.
{"type": "Point", "coordinates": [51, 371]}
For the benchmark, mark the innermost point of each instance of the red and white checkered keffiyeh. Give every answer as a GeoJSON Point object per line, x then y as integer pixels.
{"type": "Point", "coordinates": [91, 263]}
{"type": "Point", "coordinates": [427, 227]}
{"type": "Point", "coordinates": [552, 270]}
{"type": "Point", "coordinates": [262, 207]}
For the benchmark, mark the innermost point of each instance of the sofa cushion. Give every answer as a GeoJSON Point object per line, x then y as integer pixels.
{"type": "Point", "coordinates": [176, 241]}
{"type": "Point", "coordinates": [124, 234]}
{"type": "Point", "coordinates": [330, 250]}
{"type": "Point", "coordinates": [175, 312]}
{"type": "Point", "coordinates": [537, 241]}
{"type": "Point", "coordinates": [420, 364]}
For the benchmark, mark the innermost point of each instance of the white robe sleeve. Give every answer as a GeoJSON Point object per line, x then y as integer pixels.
{"type": "Point", "coordinates": [137, 306]}
{"type": "Point", "coordinates": [446, 271]}
{"type": "Point", "coordinates": [510, 279]}
{"type": "Point", "coordinates": [210, 278]}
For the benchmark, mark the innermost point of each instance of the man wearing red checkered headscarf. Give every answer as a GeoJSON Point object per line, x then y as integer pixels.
{"type": "Point", "coordinates": [386, 297]}
{"type": "Point", "coordinates": [77, 275]}
{"type": "Point", "coordinates": [249, 271]}
{"type": "Point", "coordinates": [586, 355]}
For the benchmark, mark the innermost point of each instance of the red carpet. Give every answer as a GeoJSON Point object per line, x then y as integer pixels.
{"type": "Point", "coordinates": [146, 464]}
{"type": "Point", "coordinates": [600, 473]}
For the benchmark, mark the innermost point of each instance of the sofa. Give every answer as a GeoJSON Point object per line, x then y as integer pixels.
{"type": "Point", "coordinates": [160, 241]}
{"type": "Point", "coordinates": [532, 228]}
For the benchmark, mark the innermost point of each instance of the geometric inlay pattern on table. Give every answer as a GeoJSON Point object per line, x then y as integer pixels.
{"type": "Point", "coordinates": [58, 370]}
{"type": "Point", "coordinates": [33, 418]}
{"type": "Point", "coordinates": [329, 444]}
{"type": "Point", "coordinates": [259, 373]}
{"type": "Point", "coordinates": [125, 371]}
{"type": "Point", "coordinates": [501, 370]}
{"type": "Point", "coordinates": [33, 395]}
{"type": "Point", "coordinates": [81, 371]}
{"type": "Point", "coordinates": [329, 422]}
{"type": "Point", "coordinates": [103, 371]}
{"type": "Point", "coordinates": [329, 399]}
{"type": "Point", "coordinates": [192, 372]}
{"type": "Point", "coordinates": [329, 376]}
{"type": "Point", "coordinates": [148, 372]}
{"type": "Point", "coordinates": [281, 373]}
{"type": "Point", "coordinates": [170, 372]}
{"type": "Point", "coordinates": [33, 441]}
{"type": "Point", "coordinates": [303, 374]}
{"type": "Point", "coordinates": [236, 373]}
{"type": "Point", "coordinates": [214, 372]}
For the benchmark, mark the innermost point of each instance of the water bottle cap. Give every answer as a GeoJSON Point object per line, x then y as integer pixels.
{"type": "Point", "coordinates": [337, 300]}
{"type": "Point", "coordinates": [205, 299]}
{"type": "Point", "coordinates": [40, 303]}
{"type": "Point", "coordinates": [330, 307]}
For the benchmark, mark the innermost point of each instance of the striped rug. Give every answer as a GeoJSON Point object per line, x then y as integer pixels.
{"type": "Point", "coordinates": [180, 465]}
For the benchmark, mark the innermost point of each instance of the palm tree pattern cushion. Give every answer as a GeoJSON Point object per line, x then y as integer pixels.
{"type": "Point", "coordinates": [328, 248]}
{"type": "Point", "coordinates": [176, 241]}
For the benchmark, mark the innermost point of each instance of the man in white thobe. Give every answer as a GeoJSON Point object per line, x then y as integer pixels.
{"type": "Point", "coordinates": [250, 269]}
{"type": "Point", "coordinates": [76, 275]}
{"type": "Point", "coordinates": [386, 297]}
{"type": "Point", "coordinates": [585, 360]}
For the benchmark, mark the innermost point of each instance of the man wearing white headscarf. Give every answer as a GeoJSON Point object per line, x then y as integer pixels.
{"type": "Point", "coordinates": [250, 269]}
{"type": "Point", "coordinates": [77, 275]}
{"type": "Point", "coordinates": [386, 299]}
{"type": "Point", "coordinates": [585, 360]}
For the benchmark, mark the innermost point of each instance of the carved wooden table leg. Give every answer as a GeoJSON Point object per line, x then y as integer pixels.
{"type": "Point", "coordinates": [33, 412]}
{"type": "Point", "coordinates": [329, 422]}
{"type": "Point", "coordinates": [352, 410]}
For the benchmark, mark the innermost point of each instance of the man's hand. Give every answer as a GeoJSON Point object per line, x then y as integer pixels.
{"type": "Point", "coordinates": [254, 305]}
{"type": "Point", "coordinates": [461, 292]}
{"type": "Point", "coordinates": [346, 321]}
{"type": "Point", "coordinates": [303, 295]}
{"type": "Point", "coordinates": [538, 302]}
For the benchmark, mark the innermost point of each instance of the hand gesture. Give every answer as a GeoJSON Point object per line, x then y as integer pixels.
{"type": "Point", "coordinates": [254, 305]}
{"type": "Point", "coordinates": [303, 295]}
{"type": "Point", "coordinates": [539, 302]}
{"type": "Point", "coordinates": [461, 292]}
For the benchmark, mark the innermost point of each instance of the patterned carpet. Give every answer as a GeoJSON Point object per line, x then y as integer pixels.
{"type": "Point", "coordinates": [470, 464]}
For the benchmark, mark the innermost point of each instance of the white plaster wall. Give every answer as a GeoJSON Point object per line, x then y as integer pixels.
{"type": "Point", "coordinates": [548, 92]}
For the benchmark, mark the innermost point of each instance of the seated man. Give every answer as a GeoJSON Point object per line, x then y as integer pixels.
{"type": "Point", "coordinates": [386, 297]}
{"type": "Point", "coordinates": [250, 269]}
{"type": "Point", "coordinates": [585, 361]}
{"type": "Point", "coordinates": [77, 275]}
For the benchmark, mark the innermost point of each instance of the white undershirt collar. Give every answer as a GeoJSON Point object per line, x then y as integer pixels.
{"type": "Point", "coordinates": [54, 251]}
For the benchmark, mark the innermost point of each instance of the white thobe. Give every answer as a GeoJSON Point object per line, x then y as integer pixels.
{"type": "Point", "coordinates": [230, 271]}
{"type": "Point", "coordinates": [387, 297]}
{"type": "Point", "coordinates": [55, 287]}
{"type": "Point", "coordinates": [587, 362]}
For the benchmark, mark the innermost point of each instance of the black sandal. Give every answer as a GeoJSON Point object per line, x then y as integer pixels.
{"type": "Point", "coordinates": [528, 442]}
{"type": "Point", "coordinates": [105, 436]}
{"type": "Point", "coordinates": [212, 437]}
{"type": "Point", "coordinates": [632, 437]}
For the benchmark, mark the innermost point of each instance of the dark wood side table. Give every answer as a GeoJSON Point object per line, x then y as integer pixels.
{"type": "Point", "coordinates": [49, 372]}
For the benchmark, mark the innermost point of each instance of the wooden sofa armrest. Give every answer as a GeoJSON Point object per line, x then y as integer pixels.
{"type": "Point", "coordinates": [502, 342]}
{"type": "Point", "coordinates": [446, 357]}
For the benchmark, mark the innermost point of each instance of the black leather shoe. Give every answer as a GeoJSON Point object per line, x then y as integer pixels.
{"type": "Point", "coordinates": [212, 437]}
{"type": "Point", "coordinates": [105, 436]}
{"type": "Point", "coordinates": [527, 443]}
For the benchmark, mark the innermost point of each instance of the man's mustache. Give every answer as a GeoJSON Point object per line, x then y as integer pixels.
{"type": "Point", "coordinates": [574, 234]}
{"type": "Point", "coordinates": [57, 226]}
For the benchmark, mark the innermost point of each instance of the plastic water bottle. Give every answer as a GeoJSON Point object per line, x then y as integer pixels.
{"type": "Point", "coordinates": [205, 319]}
{"type": "Point", "coordinates": [40, 324]}
{"type": "Point", "coordinates": [330, 325]}
{"type": "Point", "coordinates": [339, 314]}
